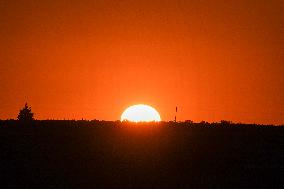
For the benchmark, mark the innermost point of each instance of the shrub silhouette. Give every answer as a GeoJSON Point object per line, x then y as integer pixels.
{"type": "Point", "coordinates": [225, 122]}
{"type": "Point", "coordinates": [26, 114]}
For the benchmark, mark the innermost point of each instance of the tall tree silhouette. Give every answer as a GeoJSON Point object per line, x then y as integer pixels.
{"type": "Point", "coordinates": [26, 114]}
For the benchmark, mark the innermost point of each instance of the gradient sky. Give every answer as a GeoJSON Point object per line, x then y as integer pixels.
{"type": "Point", "coordinates": [91, 59]}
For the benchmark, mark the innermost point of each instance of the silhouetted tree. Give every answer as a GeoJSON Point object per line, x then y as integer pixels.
{"type": "Point", "coordinates": [26, 114]}
{"type": "Point", "coordinates": [225, 122]}
{"type": "Point", "coordinates": [188, 121]}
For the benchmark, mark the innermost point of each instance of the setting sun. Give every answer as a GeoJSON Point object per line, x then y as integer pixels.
{"type": "Point", "coordinates": [140, 113]}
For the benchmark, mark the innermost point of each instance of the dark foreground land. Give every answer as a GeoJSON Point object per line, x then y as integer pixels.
{"type": "Point", "coordinates": [69, 154]}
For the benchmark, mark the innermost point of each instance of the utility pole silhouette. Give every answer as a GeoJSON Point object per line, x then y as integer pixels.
{"type": "Point", "coordinates": [176, 114]}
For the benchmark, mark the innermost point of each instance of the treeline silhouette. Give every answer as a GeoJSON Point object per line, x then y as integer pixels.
{"type": "Point", "coordinates": [106, 154]}
{"type": "Point", "coordinates": [99, 123]}
{"type": "Point", "coordinates": [114, 154]}
{"type": "Point", "coordinates": [26, 117]}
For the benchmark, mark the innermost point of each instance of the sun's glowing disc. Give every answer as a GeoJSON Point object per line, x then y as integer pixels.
{"type": "Point", "coordinates": [140, 113]}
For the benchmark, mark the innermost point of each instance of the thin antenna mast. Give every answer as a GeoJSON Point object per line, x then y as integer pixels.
{"type": "Point", "coordinates": [176, 114]}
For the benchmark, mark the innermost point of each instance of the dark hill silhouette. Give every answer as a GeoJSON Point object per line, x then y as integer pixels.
{"type": "Point", "coordinates": [102, 154]}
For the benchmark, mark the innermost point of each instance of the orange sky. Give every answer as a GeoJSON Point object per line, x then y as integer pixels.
{"type": "Point", "coordinates": [213, 59]}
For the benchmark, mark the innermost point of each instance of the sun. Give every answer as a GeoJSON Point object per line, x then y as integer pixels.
{"type": "Point", "coordinates": [140, 113]}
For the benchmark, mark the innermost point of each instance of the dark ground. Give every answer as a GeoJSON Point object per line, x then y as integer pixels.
{"type": "Point", "coordinates": [68, 154]}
